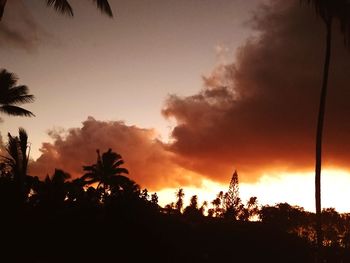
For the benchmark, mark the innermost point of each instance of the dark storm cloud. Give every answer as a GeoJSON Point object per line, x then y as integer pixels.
{"type": "Point", "coordinates": [259, 113]}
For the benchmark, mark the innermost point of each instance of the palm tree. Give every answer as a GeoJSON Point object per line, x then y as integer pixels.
{"type": "Point", "coordinates": [17, 160]}
{"type": "Point", "coordinates": [329, 11]}
{"type": "Point", "coordinates": [63, 7]}
{"type": "Point", "coordinates": [180, 194]}
{"type": "Point", "coordinates": [12, 95]}
{"type": "Point", "coordinates": [106, 172]}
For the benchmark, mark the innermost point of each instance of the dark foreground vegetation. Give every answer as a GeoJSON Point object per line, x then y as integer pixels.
{"type": "Point", "coordinates": [128, 235]}
{"type": "Point", "coordinates": [104, 216]}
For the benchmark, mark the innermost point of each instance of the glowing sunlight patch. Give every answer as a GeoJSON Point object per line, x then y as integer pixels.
{"type": "Point", "coordinates": [207, 192]}
{"type": "Point", "coordinates": [293, 188]}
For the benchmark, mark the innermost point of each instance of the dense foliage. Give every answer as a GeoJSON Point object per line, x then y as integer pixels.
{"type": "Point", "coordinates": [104, 215]}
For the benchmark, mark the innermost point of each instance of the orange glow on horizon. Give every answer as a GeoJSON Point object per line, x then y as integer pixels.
{"type": "Point", "coordinates": [272, 188]}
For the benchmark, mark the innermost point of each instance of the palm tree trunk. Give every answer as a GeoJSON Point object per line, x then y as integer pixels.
{"type": "Point", "coordinates": [319, 134]}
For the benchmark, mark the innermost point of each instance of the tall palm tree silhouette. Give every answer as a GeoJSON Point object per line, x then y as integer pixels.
{"type": "Point", "coordinates": [12, 95]}
{"type": "Point", "coordinates": [329, 11]}
{"type": "Point", "coordinates": [64, 7]}
{"type": "Point", "coordinates": [180, 194]}
{"type": "Point", "coordinates": [106, 172]}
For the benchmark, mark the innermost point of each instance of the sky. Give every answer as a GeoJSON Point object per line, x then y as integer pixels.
{"type": "Point", "coordinates": [186, 91]}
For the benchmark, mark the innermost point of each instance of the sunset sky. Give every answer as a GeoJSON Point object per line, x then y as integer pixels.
{"type": "Point", "coordinates": [186, 91]}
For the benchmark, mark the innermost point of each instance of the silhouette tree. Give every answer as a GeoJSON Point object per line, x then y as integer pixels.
{"type": "Point", "coordinates": [144, 195]}
{"type": "Point", "coordinates": [192, 211]}
{"type": "Point", "coordinates": [64, 7]}
{"type": "Point", "coordinates": [282, 215]}
{"type": "Point", "coordinates": [203, 207]}
{"type": "Point", "coordinates": [328, 10]}
{"type": "Point", "coordinates": [218, 203]}
{"type": "Point", "coordinates": [12, 95]}
{"type": "Point", "coordinates": [107, 173]}
{"type": "Point", "coordinates": [169, 209]}
{"type": "Point", "coordinates": [154, 199]}
{"type": "Point", "coordinates": [53, 191]}
{"type": "Point", "coordinates": [180, 194]}
{"type": "Point", "coordinates": [252, 209]}
{"type": "Point", "coordinates": [333, 227]}
{"type": "Point", "coordinates": [17, 160]}
{"type": "Point", "coordinates": [76, 192]}
{"type": "Point", "coordinates": [122, 186]}
{"type": "Point", "coordinates": [232, 201]}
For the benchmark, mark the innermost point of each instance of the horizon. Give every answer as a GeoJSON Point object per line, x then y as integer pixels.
{"type": "Point", "coordinates": [192, 91]}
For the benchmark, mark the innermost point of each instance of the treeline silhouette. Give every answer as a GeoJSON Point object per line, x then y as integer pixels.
{"type": "Point", "coordinates": [104, 216]}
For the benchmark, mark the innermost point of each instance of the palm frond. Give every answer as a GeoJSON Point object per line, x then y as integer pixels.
{"type": "Point", "coordinates": [120, 171]}
{"type": "Point", "coordinates": [91, 181]}
{"type": "Point", "coordinates": [61, 6]}
{"type": "Point", "coordinates": [23, 141]}
{"type": "Point", "coordinates": [12, 149]}
{"type": "Point", "coordinates": [11, 94]}
{"type": "Point", "coordinates": [21, 99]}
{"type": "Point", "coordinates": [15, 111]}
{"type": "Point", "coordinates": [105, 171]}
{"type": "Point", "coordinates": [19, 90]}
{"type": "Point", "coordinates": [23, 145]}
{"type": "Point", "coordinates": [343, 15]}
{"type": "Point", "coordinates": [330, 10]}
{"type": "Point", "coordinates": [18, 94]}
{"type": "Point", "coordinates": [117, 164]}
{"type": "Point", "coordinates": [104, 6]}
{"type": "Point", "coordinates": [7, 80]}
{"type": "Point", "coordinates": [2, 7]}
{"type": "Point", "coordinates": [87, 176]}
{"type": "Point", "coordinates": [89, 168]}
{"type": "Point", "coordinates": [322, 7]}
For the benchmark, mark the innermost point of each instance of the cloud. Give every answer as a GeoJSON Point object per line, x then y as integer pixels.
{"type": "Point", "coordinates": [149, 164]}
{"type": "Point", "coordinates": [259, 113]}
{"type": "Point", "coordinates": [18, 28]}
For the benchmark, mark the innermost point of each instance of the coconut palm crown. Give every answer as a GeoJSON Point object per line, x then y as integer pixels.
{"type": "Point", "coordinates": [106, 172]}
{"type": "Point", "coordinates": [64, 7]}
{"type": "Point", "coordinates": [11, 95]}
